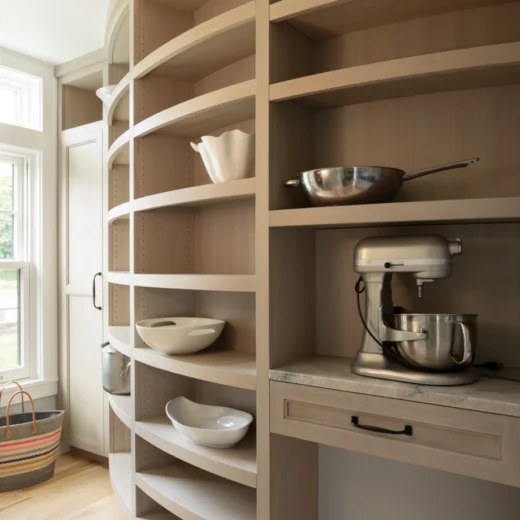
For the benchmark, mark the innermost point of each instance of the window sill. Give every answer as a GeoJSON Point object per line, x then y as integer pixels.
{"type": "Point", "coordinates": [38, 388]}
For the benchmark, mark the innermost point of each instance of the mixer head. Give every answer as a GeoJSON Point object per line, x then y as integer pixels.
{"type": "Point", "coordinates": [425, 257]}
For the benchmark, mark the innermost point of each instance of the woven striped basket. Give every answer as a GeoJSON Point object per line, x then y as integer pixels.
{"type": "Point", "coordinates": [29, 444]}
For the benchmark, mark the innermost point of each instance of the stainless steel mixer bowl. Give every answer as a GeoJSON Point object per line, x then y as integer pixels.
{"type": "Point", "coordinates": [450, 345]}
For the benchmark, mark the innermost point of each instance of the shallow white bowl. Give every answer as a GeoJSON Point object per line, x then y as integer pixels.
{"type": "Point", "coordinates": [211, 426]}
{"type": "Point", "coordinates": [187, 336]}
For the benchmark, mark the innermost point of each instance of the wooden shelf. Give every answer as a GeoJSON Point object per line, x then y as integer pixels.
{"type": "Point", "coordinates": [491, 65]}
{"type": "Point", "coordinates": [196, 282]}
{"type": "Point", "coordinates": [191, 493]}
{"type": "Point", "coordinates": [119, 152]}
{"type": "Point", "coordinates": [198, 195]}
{"type": "Point", "coordinates": [319, 19]}
{"type": "Point", "coordinates": [237, 463]}
{"type": "Point", "coordinates": [119, 338]}
{"type": "Point", "coordinates": [203, 114]}
{"type": "Point", "coordinates": [225, 367]}
{"type": "Point", "coordinates": [122, 406]}
{"type": "Point", "coordinates": [121, 211]}
{"type": "Point", "coordinates": [119, 278]}
{"type": "Point", "coordinates": [121, 92]}
{"type": "Point", "coordinates": [120, 465]}
{"type": "Point", "coordinates": [162, 515]}
{"type": "Point", "coordinates": [206, 48]}
{"type": "Point", "coordinates": [393, 213]}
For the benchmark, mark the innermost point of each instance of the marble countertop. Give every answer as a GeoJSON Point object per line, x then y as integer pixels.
{"type": "Point", "coordinates": [489, 395]}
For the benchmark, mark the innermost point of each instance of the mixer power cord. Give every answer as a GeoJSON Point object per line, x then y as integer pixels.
{"type": "Point", "coordinates": [360, 289]}
{"type": "Point", "coordinates": [389, 350]}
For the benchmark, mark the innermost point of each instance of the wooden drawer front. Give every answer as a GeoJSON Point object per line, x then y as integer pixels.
{"type": "Point", "coordinates": [476, 444]}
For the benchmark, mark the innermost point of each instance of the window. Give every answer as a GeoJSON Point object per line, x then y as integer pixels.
{"type": "Point", "coordinates": [20, 99]}
{"type": "Point", "coordinates": [15, 270]}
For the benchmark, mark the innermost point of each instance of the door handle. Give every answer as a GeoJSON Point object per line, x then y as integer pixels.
{"type": "Point", "coordinates": [94, 291]}
{"type": "Point", "coordinates": [408, 430]}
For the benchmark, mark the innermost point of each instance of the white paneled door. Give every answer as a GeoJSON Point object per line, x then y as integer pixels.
{"type": "Point", "coordinates": [82, 220]}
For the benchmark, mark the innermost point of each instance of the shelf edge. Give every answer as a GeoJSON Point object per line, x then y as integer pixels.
{"type": "Point", "coordinates": [464, 60]}
{"type": "Point", "coordinates": [207, 193]}
{"type": "Point", "coordinates": [196, 106]}
{"type": "Point", "coordinates": [177, 365]}
{"type": "Point", "coordinates": [505, 209]}
{"type": "Point", "coordinates": [221, 469]}
{"type": "Point", "coordinates": [192, 38]}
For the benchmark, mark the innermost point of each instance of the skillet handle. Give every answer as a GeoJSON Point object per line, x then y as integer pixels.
{"type": "Point", "coordinates": [293, 183]}
{"type": "Point", "coordinates": [434, 169]}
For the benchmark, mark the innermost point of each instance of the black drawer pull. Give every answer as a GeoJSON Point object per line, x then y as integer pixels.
{"type": "Point", "coordinates": [408, 430]}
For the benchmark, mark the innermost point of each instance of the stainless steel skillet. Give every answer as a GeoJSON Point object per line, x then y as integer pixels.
{"type": "Point", "coordinates": [360, 184]}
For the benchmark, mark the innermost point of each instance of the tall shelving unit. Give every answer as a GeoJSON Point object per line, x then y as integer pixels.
{"type": "Point", "coordinates": [180, 245]}
{"type": "Point", "coordinates": [322, 82]}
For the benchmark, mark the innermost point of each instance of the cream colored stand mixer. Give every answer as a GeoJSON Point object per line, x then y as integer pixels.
{"type": "Point", "coordinates": [429, 349]}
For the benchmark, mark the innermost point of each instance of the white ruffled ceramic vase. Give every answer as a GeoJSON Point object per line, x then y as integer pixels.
{"type": "Point", "coordinates": [228, 157]}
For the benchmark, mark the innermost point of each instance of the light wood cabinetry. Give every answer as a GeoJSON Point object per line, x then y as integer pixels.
{"type": "Point", "coordinates": [321, 82]}
{"type": "Point", "coordinates": [476, 444]}
{"type": "Point", "coordinates": [82, 331]}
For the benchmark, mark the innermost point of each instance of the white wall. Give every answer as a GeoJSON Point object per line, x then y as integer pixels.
{"type": "Point", "coordinates": [362, 487]}
{"type": "Point", "coordinates": [41, 405]}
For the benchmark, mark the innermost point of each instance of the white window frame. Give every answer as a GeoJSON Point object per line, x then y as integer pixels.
{"type": "Point", "coordinates": [22, 260]}
{"type": "Point", "coordinates": [29, 102]}
{"type": "Point", "coordinates": [39, 144]}
{"type": "Point", "coordinates": [18, 90]}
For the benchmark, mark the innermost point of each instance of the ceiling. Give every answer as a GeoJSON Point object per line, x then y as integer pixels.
{"type": "Point", "coordinates": [55, 31]}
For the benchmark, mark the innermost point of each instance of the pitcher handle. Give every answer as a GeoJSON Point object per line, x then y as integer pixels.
{"type": "Point", "coordinates": [468, 347]}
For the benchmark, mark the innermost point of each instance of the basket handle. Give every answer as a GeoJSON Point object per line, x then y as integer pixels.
{"type": "Point", "coordinates": [8, 411]}
{"type": "Point", "coordinates": [19, 388]}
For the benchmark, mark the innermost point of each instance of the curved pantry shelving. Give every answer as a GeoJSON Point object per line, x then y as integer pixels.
{"type": "Point", "coordinates": [122, 406]}
{"type": "Point", "coordinates": [196, 282]}
{"type": "Point", "coordinates": [206, 48]}
{"type": "Point", "coordinates": [120, 105]}
{"type": "Point", "coordinates": [120, 150]}
{"type": "Point", "coordinates": [193, 282]}
{"type": "Point", "coordinates": [119, 278]}
{"type": "Point", "coordinates": [119, 212]}
{"type": "Point", "coordinates": [189, 492]}
{"type": "Point", "coordinates": [224, 367]}
{"type": "Point", "coordinates": [203, 114]}
{"type": "Point", "coordinates": [118, 15]}
{"type": "Point", "coordinates": [490, 65]}
{"type": "Point", "coordinates": [198, 195]}
{"type": "Point", "coordinates": [505, 209]}
{"type": "Point", "coordinates": [120, 465]}
{"type": "Point", "coordinates": [237, 464]}
{"type": "Point", "coordinates": [119, 338]}
{"type": "Point", "coordinates": [158, 515]}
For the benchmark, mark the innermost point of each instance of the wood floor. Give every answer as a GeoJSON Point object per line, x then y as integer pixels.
{"type": "Point", "coordinates": [80, 490]}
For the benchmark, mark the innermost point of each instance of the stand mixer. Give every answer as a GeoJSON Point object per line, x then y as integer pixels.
{"type": "Point", "coordinates": [385, 351]}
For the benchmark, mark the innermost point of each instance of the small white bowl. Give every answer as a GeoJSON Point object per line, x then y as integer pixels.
{"type": "Point", "coordinates": [211, 426]}
{"type": "Point", "coordinates": [105, 94]}
{"type": "Point", "coordinates": [177, 336]}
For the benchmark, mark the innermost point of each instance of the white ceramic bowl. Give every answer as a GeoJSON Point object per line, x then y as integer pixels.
{"type": "Point", "coordinates": [187, 336]}
{"type": "Point", "coordinates": [105, 94]}
{"type": "Point", "coordinates": [228, 157]}
{"type": "Point", "coordinates": [211, 426]}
